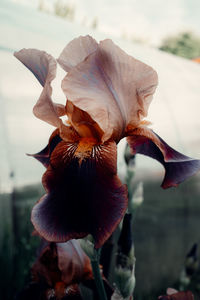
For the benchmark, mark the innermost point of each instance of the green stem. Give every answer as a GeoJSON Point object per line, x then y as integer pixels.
{"type": "Point", "coordinates": [97, 276]}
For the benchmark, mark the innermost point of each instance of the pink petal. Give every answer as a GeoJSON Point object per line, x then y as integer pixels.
{"type": "Point", "coordinates": [176, 295]}
{"type": "Point", "coordinates": [171, 291]}
{"type": "Point", "coordinates": [76, 51]}
{"type": "Point", "coordinates": [43, 66]}
{"type": "Point", "coordinates": [178, 167]}
{"type": "Point", "coordinates": [82, 123]}
{"type": "Point", "coordinates": [114, 88]}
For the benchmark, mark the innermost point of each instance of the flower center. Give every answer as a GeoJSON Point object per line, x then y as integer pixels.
{"type": "Point", "coordinates": [84, 149]}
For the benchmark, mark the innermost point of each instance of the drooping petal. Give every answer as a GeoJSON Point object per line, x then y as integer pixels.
{"type": "Point", "coordinates": [178, 167]}
{"type": "Point", "coordinates": [84, 194]}
{"type": "Point", "coordinates": [76, 51]}
{"type": "Point", "coordinates": [66, 133]}
{"type": "Point", "coordinates": [114, 88]}
{"type": "Point", "coordinates": [43, 66]}
{"type": "Point", "coordinates": [44, 155]}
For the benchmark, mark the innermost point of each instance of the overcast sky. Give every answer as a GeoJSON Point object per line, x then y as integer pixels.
{"type": "Point", "coordinates": [148, 20]}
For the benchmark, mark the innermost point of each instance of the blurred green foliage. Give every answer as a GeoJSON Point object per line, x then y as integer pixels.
{"type": "Point", "coordinates": [17, 245]}
{"type": "Point", "coordinates": [185, 44]}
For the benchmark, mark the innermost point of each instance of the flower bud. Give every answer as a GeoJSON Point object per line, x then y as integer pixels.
{"type": "Point", "coordinates": [125, 263]}
{"type": "Point", "coordinates": [125, 281]}
{"type": "Point", "coordinates": [137, 198]}
{"type": "Point", "coordinates": [128, 156]}
{"type": "Point", "coordinates": [191, 262]}
{"type": "Point", "coordinates": [125, 241]}
{"type": "Point", "coordinates": [190, 267]}
{"type": "Point", "coordinates": [130, 170]}
{"type": "Point", "coordinates": [184, 280]}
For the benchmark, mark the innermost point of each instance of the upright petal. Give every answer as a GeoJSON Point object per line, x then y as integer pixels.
{"type": "Point", "coordinates": [76, 51]}
{"type": "Point", "coordinates": [84, 194]}
{"type": "Point", "coordinates": [43, 66]}
{"type": "Point", "coordinates": [113, 87]}
{"type": "Point", "coordinates": [178, 167]}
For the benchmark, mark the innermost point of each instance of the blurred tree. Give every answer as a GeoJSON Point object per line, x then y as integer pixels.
{"type": "Point", "coordinates": [185, 44]}
{"type": "Point", "coordinates": [64, 10]}
{"type": "Point", "coordinates": [41, 5]}
{"type": "Point", "coordinates": [94, 24]}
{"type": "Point", "coordinates": [59, 8]}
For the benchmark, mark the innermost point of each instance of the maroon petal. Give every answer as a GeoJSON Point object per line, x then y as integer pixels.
{"type": "Point", "coordinates": [44, 155]}
{"type": "Point", "coordinates": [178, 296]}
{"type": "Point", "coordinates": [178, 167]}
{"type": "Point", "coordinates": [84, 194]}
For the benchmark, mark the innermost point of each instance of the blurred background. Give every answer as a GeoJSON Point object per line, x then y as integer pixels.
{"type": "Point", "coordinates": [165, 35]}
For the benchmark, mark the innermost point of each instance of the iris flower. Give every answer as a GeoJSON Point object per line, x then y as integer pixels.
{"type": "Point", "coordinates": [58, 271]}
{"type": "Point", "coordinates": [108, 95]}
{"type": "Point", "coordinates": [61, 267]}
